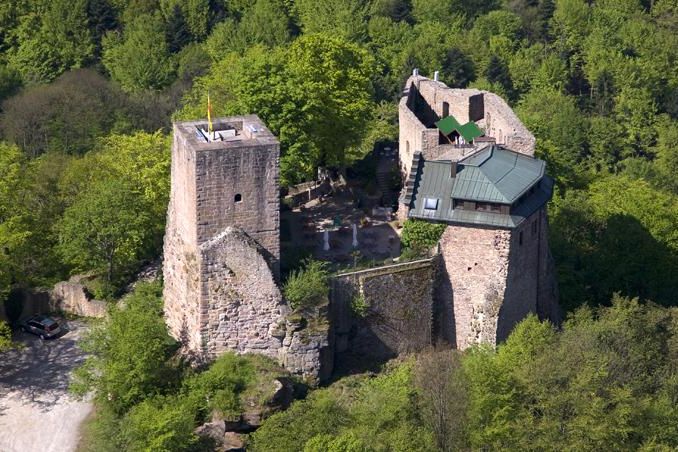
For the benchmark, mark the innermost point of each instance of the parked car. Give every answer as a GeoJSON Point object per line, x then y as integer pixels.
{"type": "Point", "coordinates": [41, 325]}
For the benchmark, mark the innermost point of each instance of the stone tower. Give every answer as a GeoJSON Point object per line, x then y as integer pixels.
{"type": "Point", "coordinates": [222, 242]}
{"type": "Point", "coordinates": [469, 163]}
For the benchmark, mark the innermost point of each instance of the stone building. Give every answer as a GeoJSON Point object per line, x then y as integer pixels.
{"type": "Point", "coordinates": [468, 162]}
{"type": "Point", "coordinates": [222, 241]}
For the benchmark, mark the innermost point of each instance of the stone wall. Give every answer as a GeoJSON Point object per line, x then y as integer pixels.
{"type": "Point", "coordinates": [72, 297]}
{"type": "Point", "coordinates": [217, 186]}
{"type": "Point", "coordinates": [487, 109]}
{"type": "Point", "coordinates": [490, 279]}
{"type": "Point", "coordinates": [242, 308]}
{"type": "Point", "coordinates": [398, 319]}
{"type": "Point", "coordinates": [240, 187]}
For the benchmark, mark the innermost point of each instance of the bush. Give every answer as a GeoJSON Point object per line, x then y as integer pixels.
{"type": "Point", "coordinates": [217, 389]}
{"type": "Point", "coordinates": [5, 335]}
{"type": "Point", "coordinates": [160, 423]}
{"type": "Point", "coordinates": [308, 287]}
{"type": "Point", "coordinates": [420, 234]}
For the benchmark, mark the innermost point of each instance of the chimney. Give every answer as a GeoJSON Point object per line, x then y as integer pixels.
{"type": "Point", "coordinates": [415, 72]}
{"type": "Point", "coordinates": [435, 76]}
{"type": "Point", "coordinates": [453, 169]}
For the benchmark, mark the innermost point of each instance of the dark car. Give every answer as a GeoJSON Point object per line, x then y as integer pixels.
{"type": "Point", "coordinates": [41, 325]}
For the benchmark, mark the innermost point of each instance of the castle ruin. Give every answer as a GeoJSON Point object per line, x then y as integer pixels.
{"type": "Point", "coordinates": [467, 162]}
{"type": "Point", "coordinates": [222, 243]}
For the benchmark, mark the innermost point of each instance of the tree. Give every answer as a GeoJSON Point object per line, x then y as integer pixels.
{"type": "Point", "coordinates": [315, 96]}
{"type": "Point", "coordinates": [140, 58]}
{"type": "Point", "coordinates": [346, 19]}
{"type": "Point", "coordinates": [308, 287]}
{"type": "Point", "coordinates": [177, 30]}
{"type": "Point", "coordinates": [66, 116]}
{"type": "Point", "coordinates": [104, 229]}
{"type": "Point", "coordinates": [128, 353]}
{"type": "Point", "coordinates": [159, 423]}
{"type": "Point", "coordinates": [53, 41]}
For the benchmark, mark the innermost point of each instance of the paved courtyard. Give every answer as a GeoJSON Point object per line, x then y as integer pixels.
{"type": "Point", "coordinates": [36, 411]}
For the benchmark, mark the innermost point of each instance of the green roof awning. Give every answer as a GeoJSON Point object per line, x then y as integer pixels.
{"type": "Point", "coordinates": [469, 131]}
{"type": "Point", "coordinates": [447, 125]}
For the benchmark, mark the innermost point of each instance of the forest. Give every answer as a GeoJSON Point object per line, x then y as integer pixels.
{"type": "Point", "coordinates": [88, 91]}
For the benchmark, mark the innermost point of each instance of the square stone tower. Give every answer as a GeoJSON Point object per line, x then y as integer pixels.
{"type": "Point", "coordinates": [222, 242]}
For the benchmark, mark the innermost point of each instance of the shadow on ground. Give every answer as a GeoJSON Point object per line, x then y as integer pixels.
{"type": "Point", "coordinates": [38, 371]}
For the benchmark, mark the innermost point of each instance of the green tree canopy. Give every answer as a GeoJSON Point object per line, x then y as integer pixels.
{"type": "Point", "coordinates": [139, 58]}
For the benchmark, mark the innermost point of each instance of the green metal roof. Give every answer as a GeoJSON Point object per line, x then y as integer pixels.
{"type": "Point", "coordinates": [448, 125]}
{"type": "Point", "coordinates": [469, 131]}
{"type": "Point", "coordinates": [490, 175]}
{"type": "Point", "coordinates": [497, 175]}
{"type": "Point", "coordinates": [433, 182]}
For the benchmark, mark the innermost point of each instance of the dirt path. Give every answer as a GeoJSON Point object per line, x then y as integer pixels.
{"type": "Point", "coordinates": [36, 411]}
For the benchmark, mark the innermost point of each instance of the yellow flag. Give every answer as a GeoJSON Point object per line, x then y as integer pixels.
{"type": "Point", "coordinates": [209, 113]}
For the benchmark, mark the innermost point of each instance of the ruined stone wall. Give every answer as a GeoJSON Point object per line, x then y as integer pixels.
{"type": "Point", "coordinates": [242, 307]}
{"type": "Point", "coordinates": [181, 285]}
{"type": "Point", "coordinates": [399, 301]}
{"type": "Point", "coordinates": [71, 297]}
{"type": "Point", "coordinates": [217, 185]}
{"type": "Point", "coordinates": [502, 123]}
{"type": "Point", "coordinates": [488, 110]}
{"type": "Point", "coordinates": [489, 280]}
{"type": "Point", "coordinates": [240, 187]}
{"type": "Point", "coordinates": [410, 135]}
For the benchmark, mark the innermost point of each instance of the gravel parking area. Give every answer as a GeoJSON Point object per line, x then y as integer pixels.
{"type": "Point", "coordinates": [36, 411]}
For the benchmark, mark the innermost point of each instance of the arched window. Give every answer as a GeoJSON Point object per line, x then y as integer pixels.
{"type": "Point", "coordinates": [407, 147]}
{"type": "Point", "coordinates": [238, 197]}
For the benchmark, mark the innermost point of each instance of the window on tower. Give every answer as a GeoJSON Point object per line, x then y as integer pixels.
{"type": "Point", "coordinates": [238, 197]}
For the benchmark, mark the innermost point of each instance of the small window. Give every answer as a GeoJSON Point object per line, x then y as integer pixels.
{"type": "Point", "coordinates": [431, 203]}
{"type": "Point", "coordinates": [520, 238]}
{"type": "Point", "coordinates": [446, 109]}
{"type": "Point", "coordinates": [534, 227]}
{"type": "Point", "coordinates": [238, 197]}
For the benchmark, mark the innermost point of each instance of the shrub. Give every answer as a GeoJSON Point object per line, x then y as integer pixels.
{"type": "Point", "coordinates": [5, 335]}
{"type": "Point", "coordinates": [419, 234]}
{"type": "Point", "coordinates": [307, 287]}
{"type": "Point", "coordinates": [359, 306]}
{"type": "Point", "coordinates": [159, 423]}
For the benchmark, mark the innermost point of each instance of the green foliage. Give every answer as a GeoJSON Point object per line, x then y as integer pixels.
{"type": "Point", "coordinates": [5, 335]}
{"type": "Point", "coordinates": [359, 306]}
{"type": "Point", "coordinates": [104, 229]}
{"type": "Point", "coordinates": [315, 95]}
{"type": "Point", "coordinates": [217, 389]}
{"type": "Point", "coordinates": [307, 287]}
{"type": "Point", "coordinates": [353, 414]}
{"type": "Point", "coordinates": [421, 235]}
{"type": "Point", "coordinates": [160, 423]}
{"type": "Point", "coordinates": [139, 59]}
{"type": "Point", "coordinates": [68, 115]}
{"type": "Point", "coordinates": [128, 353]}
{"type": "Point", "coordinates": [344, 18]}
{"type": "Point", "coordinates": [51, 39]}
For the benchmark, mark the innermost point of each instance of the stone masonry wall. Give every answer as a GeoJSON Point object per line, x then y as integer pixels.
{"type": "Point", "coordinates": [242, 308]}
{"type": "Point", "coordinates": [217, 185]}
{"type": "Point", "coordinates": [489, 280]}
{"type": "Point", "coordinates": [251, 173]}
{"type": "Point", "coordinates": [181, 283]}
{"type": "Point", "coordinates": [400, 309]}
{"type": "Point", "coordinates": [498, 120]}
